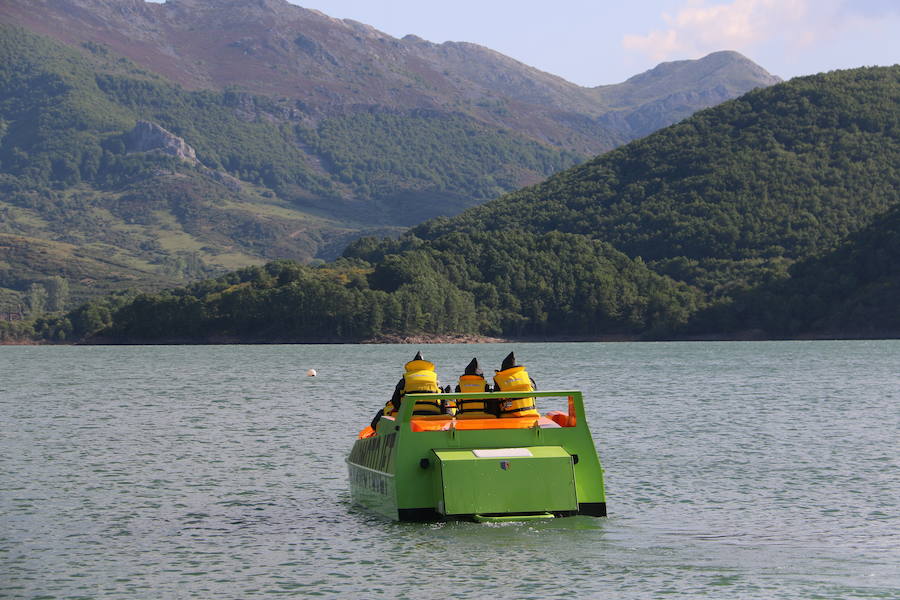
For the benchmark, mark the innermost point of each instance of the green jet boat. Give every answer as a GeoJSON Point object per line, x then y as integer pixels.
{"type": "Point", "coordinates": [425, 468]}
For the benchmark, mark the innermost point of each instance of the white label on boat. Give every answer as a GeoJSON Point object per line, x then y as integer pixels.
{"type": "Point", "coordinates": [502, 452]}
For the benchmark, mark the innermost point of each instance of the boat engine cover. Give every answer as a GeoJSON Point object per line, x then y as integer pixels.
{"type": "Point", "coordinates": [504, 480]}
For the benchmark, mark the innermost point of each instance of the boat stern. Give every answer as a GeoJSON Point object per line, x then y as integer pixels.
{"type": "Point", "coordinates": [427, 468]}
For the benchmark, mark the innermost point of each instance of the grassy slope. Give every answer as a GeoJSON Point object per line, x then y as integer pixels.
{"type": "Point", "coordinates": [297, 189]}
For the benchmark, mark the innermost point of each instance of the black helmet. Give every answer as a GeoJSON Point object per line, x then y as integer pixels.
{"type": "Point", "coordinates": [473, 369]}
{"type": "Point", "coordinates": [509, 362]}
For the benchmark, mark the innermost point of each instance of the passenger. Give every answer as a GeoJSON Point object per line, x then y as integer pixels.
{"type": "Point", "coordinates": [419, 378]}
{"type": "Point", "coordinates": [514, 378]}
{"type": "Point", "coordinates": [472, 381]}
{"type": "Point", "coordinates": [449, 405]}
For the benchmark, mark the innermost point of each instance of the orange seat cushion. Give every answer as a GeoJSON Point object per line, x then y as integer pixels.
{"type": "Point", "coordinates": [419, 424]}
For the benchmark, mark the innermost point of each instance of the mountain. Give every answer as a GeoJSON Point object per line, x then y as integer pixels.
{"type": "Point", "coordinates": [675, 90]}
{"type": "Point", "coordinates": [777, 211]}
{"type": "Point", "coordinates": [102, 156]}
{"type": "Point", "coordinates": [331, 67]}
{"type": "Point", "coordinates": [179, 140]}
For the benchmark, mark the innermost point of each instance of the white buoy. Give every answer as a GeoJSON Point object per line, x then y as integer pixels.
{"type": "Point", "coordinates": [311, 373]}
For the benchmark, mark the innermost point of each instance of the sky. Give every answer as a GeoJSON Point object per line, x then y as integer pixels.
{"type": "Point", "coordinates": [596, 42]}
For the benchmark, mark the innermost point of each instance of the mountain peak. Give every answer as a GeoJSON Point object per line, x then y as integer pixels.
{"type": "Point", "coordinates": [268, 5]}
{"type": "Point", "coordinates": [674, 90]}
{"type": "Point", "coordinates": [724, 61]}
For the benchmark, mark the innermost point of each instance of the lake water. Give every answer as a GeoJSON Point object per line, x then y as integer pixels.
{"type": "Point", "coordinates": [733, 470]}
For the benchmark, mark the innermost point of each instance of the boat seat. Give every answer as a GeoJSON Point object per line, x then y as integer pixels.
{"type": "Point", "coordinates": [429, 422]}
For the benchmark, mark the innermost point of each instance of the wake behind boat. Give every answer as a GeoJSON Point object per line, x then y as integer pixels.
{"type": "Point", "coordinates": [423, 468]}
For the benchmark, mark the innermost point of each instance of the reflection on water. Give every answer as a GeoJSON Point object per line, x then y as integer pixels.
{"type": "Point", "coordinates": [734, 470]}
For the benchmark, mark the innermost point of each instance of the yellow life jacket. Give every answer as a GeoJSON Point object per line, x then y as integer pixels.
{"type": "Point", "coordinates": [473, 409]}
{"type": "Point", "coordinates": [420, 378]}
{"type": "Point", "coordinates": [515, 379]}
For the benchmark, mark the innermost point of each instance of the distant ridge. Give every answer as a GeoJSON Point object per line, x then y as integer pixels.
{"type": "Point", "coordinates": [272, 47]}
{"type": "Point", "coordinates": [675, 90]}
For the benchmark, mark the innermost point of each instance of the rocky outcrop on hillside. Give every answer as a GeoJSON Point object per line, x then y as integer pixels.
{"type": "Point", "coordinates": [150, 137]}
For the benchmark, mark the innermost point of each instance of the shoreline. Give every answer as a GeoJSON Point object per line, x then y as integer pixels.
{"type": "Point", "coordinates": [411, 339]}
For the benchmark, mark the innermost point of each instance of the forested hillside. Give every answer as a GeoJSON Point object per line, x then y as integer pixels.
{"type": "Point", "coordinates": [849, 291]}
{"type": "Point", "coordinates": [732, 195]}
{"type": "Point", "coordinates": [420, 292]}
{"type": "Point", "coordinates": [774, 214]}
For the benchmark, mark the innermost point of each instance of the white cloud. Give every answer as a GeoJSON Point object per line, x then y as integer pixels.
{"type": "Point", "coordinates": [700, 27]}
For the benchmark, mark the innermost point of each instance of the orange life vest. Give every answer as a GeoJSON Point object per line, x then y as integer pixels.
{"type": "Point", "coordinates": [515, 379]}
{"type": "Point", "coordinates": [473, 409]}
{"type": "Point", "coordinates": [420, 378]}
